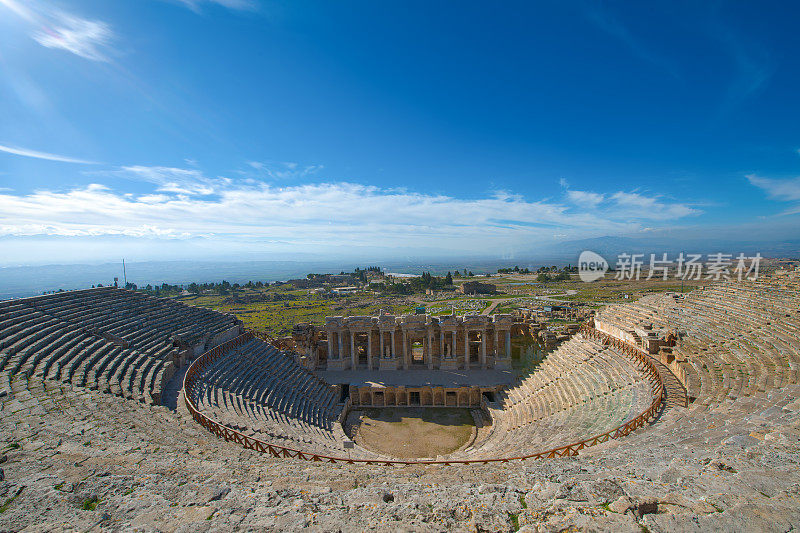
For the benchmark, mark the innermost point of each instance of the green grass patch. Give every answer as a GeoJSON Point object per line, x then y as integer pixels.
{"type": "Point", "coordinates": [90, 504]}
{"type": "Point", "coordinates": [7, 504]}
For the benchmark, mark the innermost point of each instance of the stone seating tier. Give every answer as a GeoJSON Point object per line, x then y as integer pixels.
{"type": "Point", "coordinates": [263, 393]}
{"type": "Point", "coordinates": [109, 339]}
{"type": "Point", "coordinates": [734, 338]}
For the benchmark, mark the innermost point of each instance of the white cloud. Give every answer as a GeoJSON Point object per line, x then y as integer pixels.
{"type": "Point", "coordinates": [585, 198]}
{"type": "Point", "coordinates": [239, 5]}
{"type": "Point", "coordinates": [285, 170]}
{"type": "Point", "coordinates": [82, 37]}
{"type": "Point", "coordinates": [186, 204]}
{"type": "Point", "coordinates": [634, 205]}
{"type": "Point", "coordinates": [783, 190]}
{"type": "Point", "coordinates": [630, 205]}
{"type": "Point", "coordinates": [189, 182]}
{"type": "Point", "coordinates": [43, 155]}
{"type": "Point", "coordinates": [52, 28]}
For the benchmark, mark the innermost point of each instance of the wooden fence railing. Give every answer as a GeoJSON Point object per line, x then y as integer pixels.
{"type": "Point", "coordinates": [640, 358]}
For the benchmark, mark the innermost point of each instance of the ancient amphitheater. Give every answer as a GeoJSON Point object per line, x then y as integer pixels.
{"type": "Point", "coordinates": [676, 412]}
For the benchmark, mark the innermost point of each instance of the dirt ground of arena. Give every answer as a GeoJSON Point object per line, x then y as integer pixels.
{"type": "Point", "coordinates": [415, 432]}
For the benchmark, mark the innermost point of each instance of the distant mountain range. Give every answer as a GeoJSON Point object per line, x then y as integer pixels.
{"type": "Point", "coordinates": [613, 246]}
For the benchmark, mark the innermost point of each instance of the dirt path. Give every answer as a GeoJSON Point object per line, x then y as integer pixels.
{"type": "Point", "coordinates": [495, 303]}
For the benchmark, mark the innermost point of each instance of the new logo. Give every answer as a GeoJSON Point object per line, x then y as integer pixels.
{"type": "Point", "coordinates": [591, 266]}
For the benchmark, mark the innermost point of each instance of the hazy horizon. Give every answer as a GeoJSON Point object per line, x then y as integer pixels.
{"type": "Point", "coordinates": [29, 280]}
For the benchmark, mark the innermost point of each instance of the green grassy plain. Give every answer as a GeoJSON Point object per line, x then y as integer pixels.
{"type": "Point", "coordinates": [279, 307]}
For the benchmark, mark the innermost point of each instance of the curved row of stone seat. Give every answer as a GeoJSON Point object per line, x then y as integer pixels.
{"type": "Point", "coordinates": [263, 393]}
{"type": "Point", "coordinates": [66, 354]}
{"type": "Point", "coordinates": [106, 339]}
{"type": "Point", "coordinates": [733, 338]}
{"type": "Point", "coordinates": [580, 390]}
{"type": "Point", "coordinates": [139, 320]}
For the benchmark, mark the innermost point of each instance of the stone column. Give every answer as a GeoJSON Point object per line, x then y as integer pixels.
{"type": "Point", "coordinates": [429, 339]}
{"type": "Point", "coordinates": [466, 348]}
{"type": "Point", "coordinates": [340, 355]}
{"type": "Point", "coordinates": [405, 349]}
{"type": "Point", "coordinates": [455, 343]}
{"type": "Point", "coordinates": [383, 354]}
{"type": "Point", "coordinates": [330, 344]}
{"type": "Point", "coordinates": [353, 356]}
{"type": "Point", "coordinates": [483, 349]}
{"type": "Point", "coordinates": [392, 349]}
{"type": "Point", "coordinates": [496, 341]}
{"type": "Point", "coordinates": [441, 344]}
{"type": "Point", "coordinates": [508, 343]}
{"type": "Point", "coordinates": [369, 349]}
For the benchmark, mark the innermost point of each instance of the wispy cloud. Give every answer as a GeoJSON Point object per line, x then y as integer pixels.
{"type": "Point", "coordinates": [43, 155]}
{"type": "Point", "coordinates": [84, 38]}
{"type": "Point", "coordinates": [628, 205]}
{"type": "Point", "coordinates": [605, 20]}
{"type": "Point", "coordinates": [239, 5]}
{"type": "Point", "coordinates": [54, 28]}
{"type": "Point", "coordinates": [190, 182]}
{"type": "Point", "coordinates": [639, 206]}
{"type": "Point", "coordinates": [783, 190]}
{"type": "Point", "coordinates": [753, 66]}
{"type": "Point", "coordinates": [787, 190]}
{"type": "Point", "coordinates": [282, 170]}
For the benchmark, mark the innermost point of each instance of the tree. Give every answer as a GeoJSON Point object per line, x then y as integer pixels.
{"type": "Point", "coordinates": [448, 280]}
{"type": "Point", "coordinates": [193, 288]}
{"type": "Point", "coordinates": [471, 274]}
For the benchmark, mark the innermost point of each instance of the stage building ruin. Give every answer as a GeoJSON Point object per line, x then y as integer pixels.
{"type": "Point", "coordinates": [390, 342]}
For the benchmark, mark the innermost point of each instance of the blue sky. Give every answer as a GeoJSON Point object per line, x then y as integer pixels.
{"type": "Point", "coordinates": [197, 128]}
